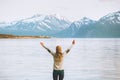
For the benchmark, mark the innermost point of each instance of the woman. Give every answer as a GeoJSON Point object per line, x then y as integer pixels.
{"type": "Point", "coordinates": [58, 56]}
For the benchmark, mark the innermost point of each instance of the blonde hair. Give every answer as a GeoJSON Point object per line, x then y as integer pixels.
{"type": "Point", "coordinates": [58, 49]}
{"type": "Point", "coordinates": [59, 54]}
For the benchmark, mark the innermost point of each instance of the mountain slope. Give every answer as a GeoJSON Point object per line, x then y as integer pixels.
{"type": "Point", "coordinates": [106, 27]}
{"type": "Point", "coordinates": [36, 25]}
{"type": "Point", "coordinates": [51, 25]}
{"type": "Point", "coordinates": [77, 28]}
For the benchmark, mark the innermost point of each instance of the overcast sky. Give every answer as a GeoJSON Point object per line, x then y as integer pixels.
{"type": "Point", "coordinates": [11, 10]}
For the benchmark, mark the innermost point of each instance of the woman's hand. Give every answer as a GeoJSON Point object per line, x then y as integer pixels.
{"type": "Point", "coordinates": [73, 42]}
{"type": "Point", "coordinates": [42, 44]}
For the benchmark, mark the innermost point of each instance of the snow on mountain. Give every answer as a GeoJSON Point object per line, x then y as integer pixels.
{"type": "Point", "coordinates": [111, 18]}
{"type": "Point", "coordinates": [82, 22]}
{"type": "Point", "coordinates": [2, 24]}
{"type": "Point", "coordinates": [107, 27]}
{"type": "Point", "coordinates": [75, 27]}
{"type": "Point", "coordinates": [57, 26]}
{"type": "Point", "coordinates": [86, 21]}
{"type": "Point", "coordinates": [47, 21]}
{"type": "Point", "coordinates": [37, 24]}
{"type": "Point", "coordinates": [42, 18]}
{"type": "Point", "coordinates": [34, 18]}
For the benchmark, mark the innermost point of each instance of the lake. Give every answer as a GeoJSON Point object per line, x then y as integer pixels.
{"type": "Point", "coordinates": [89, 59]}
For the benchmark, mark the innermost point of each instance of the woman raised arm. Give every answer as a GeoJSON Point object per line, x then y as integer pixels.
{"type": "Point", "coordinates": [42, 44]}
{"type": "Point", "coordinates": [68, 50]}
{"type": "Point", "coordinates": [58, 57]}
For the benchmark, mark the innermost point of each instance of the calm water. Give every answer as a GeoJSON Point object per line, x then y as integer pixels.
{"type": "Point", "coordinates": [89, 59]}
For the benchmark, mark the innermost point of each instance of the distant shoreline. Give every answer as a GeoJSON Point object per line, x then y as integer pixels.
{"type": "Point", "coordinates": [9, 36]}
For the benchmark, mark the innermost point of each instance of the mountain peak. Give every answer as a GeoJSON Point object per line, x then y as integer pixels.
{"type": "Point", "coordinates": [42, 17]}
{"type": "Point", "coordinates": [56, 16]}
{"type": "Point", "coordinates": [59, 17]}
{"type": "Point", "coordinates": [111, 18]}
{"type": "Point", "coordinates": [55, 25]}
{"type": "Point", "coordinates": [86, 18]}
{"type": "Point", "coordinates": [84, 21]}
{"type": "Point", "coordinates": [117, 14]}
{"type": "Point", "coordinates": [36, 15]}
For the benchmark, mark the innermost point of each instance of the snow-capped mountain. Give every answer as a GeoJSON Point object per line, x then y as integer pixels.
{"type": "Point", "coordinates": [107, 27]}
{"type": "Point", "coordinates": [3, 24]}
{"type": "Point", "coordinates": [54, 25]}
{"type": "Point", "coordinates": [37, 25]}
{"type": "Point", "coordinates": [112, 18]}
{"type": "Point", "coordinates": [75, 27]}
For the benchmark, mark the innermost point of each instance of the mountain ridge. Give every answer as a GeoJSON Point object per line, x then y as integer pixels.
{"type": "Point", "coordinates": [107, 26]}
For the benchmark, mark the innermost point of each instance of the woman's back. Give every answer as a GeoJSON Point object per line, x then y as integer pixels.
{"type": "Point", "coordinates": [58, 56]}
{"type": "Point", "coordinates": [58, 61]}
